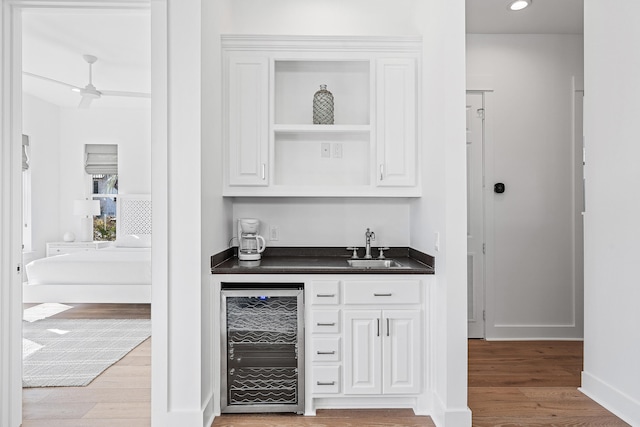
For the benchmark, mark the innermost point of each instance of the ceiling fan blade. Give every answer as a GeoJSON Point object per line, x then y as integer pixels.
{"type": "Point", "coordinates": [122, 93]}
{"type": "Point", "coordinates": [85, 101]}
{"type": "Point", "coordinates": [37, 76]}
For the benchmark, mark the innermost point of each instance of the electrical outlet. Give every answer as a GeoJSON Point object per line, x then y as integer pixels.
{"type": "Point", "coordinates": [325, 149]}
{"type": "Point", "coordinates": [274, 232]}
{"type": "Point", "coordinates": [337, 150]}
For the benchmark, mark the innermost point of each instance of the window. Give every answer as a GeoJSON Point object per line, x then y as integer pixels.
{"type": "Point", "coordinates": [101, 162]}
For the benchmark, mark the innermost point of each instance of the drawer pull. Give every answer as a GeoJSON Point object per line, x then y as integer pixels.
{"type": "Point", "coordinates": [326, 383]}
{"type": "Point", "coordinates": [382, 295]}
{"type": "Point", "coordinates": [326, 324]}
{"type": "Point", "coordinates": [326, 352]}
{"type": "Point", "coordinates": [325, 295]}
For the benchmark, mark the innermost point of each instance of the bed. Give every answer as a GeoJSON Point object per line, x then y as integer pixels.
{"type": "Point", "coordinates": [120, 273]}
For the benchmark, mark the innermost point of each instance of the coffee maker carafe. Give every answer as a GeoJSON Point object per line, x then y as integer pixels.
{"type": "Point", "coordinates": [250, 243]}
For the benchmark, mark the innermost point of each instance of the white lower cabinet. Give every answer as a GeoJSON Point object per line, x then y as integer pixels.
{"type": "Point", "coordinates": [382, 351]}
{"type": "Point", "coordinates": [366, 338]}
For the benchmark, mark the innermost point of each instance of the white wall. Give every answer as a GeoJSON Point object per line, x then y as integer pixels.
{"type": "Point", "coordinates": [130, 129]}
{"type": "Point", "coordinates": [41, 121]}
{"type": "Point", "coordinates": [216, 210]}
{"type": "Point", "coordinates": [328, 222]}
{"type": "Point", "coordinates": [611, 345]}
{"type": "Point", "coordinates": [57, 138]}
{"type": "Point", "coordinates": [442, 209]}
{"type": "Point", "coordinates": [533, 289]}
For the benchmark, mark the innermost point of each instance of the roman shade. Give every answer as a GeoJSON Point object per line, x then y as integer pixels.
{"type": "Point", "coordinates": [101, 159]}
{"type": "Point", "coordinates": [25, 155]}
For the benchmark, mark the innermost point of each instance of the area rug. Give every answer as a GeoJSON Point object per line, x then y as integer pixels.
{"type": "Point", "coordinates": [44, 310]}
{"type": "Point", "coordinates": [73, 352]}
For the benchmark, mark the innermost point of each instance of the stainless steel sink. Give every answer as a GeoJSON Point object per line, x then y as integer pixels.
{"type": "Point", "coordinates": [374, 263]}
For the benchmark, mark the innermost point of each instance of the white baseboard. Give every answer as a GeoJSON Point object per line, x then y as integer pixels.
{"type": "Point", "coordinates": [449, 417]}
{"type": "Point", "coordinates": [207, 411]}
{"type": "Point", "coordinates": [615, 401]}
{"type": "Point", "coordinates": [534, 333]}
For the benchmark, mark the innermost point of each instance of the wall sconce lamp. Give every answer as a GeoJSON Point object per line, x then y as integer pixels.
{"type": "Point", "coordinates": [515, 5]}
{"type": "Point", "coordinates": [87, 209]}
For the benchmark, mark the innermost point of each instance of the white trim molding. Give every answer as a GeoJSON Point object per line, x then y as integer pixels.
{"type": "Point", "coordinates": [11, 219]}
{"type": "Point", "coordinates": [614, 400]}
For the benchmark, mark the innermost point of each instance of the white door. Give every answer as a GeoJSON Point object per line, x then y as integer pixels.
{"type": "Point", "coordinates": [401, 351]}
{"type": "Point", "coordinates": [475, 214]}
{"type": "Point", "coordinates": [396, 129]}
{"type": "Point", "coordinates": [248, 121]}
{"type": "Point", "coordinates": [363, 364]}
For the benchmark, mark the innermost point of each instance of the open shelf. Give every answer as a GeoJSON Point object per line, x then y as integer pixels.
{"type": "Point", "coordinates": [297, 81]}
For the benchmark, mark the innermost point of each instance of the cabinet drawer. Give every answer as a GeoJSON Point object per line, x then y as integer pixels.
{"type": "Point", "coordinates": [325, 321]}
{"type": "Point", "coordinates": [326, 293]}
{"type": "Point", "coordinates": [326, 349]}
{"type": "Point", "coordinates": [326, 379]}
{"type": "Point", "coordinates": [387, 292]}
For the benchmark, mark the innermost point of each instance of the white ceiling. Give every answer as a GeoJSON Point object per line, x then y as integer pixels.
{"type": "Point", "coordinates": [542, 17]}
{"type": "Point", "coordinates": [53, 43]}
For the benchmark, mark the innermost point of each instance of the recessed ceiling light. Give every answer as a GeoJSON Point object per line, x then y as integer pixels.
{"type": "Point", "coordinates": [518, 4]}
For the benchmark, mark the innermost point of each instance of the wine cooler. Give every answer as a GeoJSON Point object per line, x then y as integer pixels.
{"type": "Point", "coordinates": [262, 348]}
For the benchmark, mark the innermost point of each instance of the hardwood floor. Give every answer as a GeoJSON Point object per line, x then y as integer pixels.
{"type": "Point", "coordinates": [529, 384]}
{"type": "Point", "coordinates": [511, 384]}
{"type": "Point", "coordinates": [326, 418]}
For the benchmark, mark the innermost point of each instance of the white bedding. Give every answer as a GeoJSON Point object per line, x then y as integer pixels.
{"type": "Point", "coordinates": [110, 266]}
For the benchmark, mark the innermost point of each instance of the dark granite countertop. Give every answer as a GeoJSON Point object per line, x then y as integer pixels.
{"type": "Point", "coordinates": [319, 260]}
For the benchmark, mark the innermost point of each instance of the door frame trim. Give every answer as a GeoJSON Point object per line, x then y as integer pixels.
{"type": "Point", "coordinates": [11, 187]}
{"type": "Point", "coordinates": [483, 86]}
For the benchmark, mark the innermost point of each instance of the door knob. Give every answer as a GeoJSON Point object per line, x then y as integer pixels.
{"type": "Point", "coordinates": [498, 188]}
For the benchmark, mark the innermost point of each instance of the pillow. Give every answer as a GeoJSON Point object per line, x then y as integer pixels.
{"type": "Point", "coordinates": [133, 241]}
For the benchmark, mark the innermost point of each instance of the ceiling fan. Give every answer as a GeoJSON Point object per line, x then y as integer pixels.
{"type": "Point", "coordinates": [90, 92]}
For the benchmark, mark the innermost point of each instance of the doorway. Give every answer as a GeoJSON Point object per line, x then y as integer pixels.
{"type": "Point", "coordinates": [59, 129]}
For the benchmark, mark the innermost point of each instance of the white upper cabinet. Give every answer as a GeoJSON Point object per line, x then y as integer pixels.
{"type": "Point", "coordinates": [274, 148]}
{"type": "Point", "coordinates": [396, 123]}
{"type": "Point", "coordinates": [248, 121]}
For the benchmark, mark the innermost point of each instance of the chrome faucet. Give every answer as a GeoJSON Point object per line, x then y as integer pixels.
{"type": "Point", "coordinates": [369, 235]}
